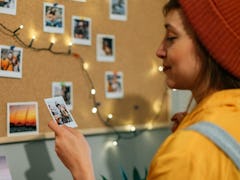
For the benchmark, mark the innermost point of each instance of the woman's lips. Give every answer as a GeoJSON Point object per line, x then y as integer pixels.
{"type": "Point", "coordinates": [165, 68]}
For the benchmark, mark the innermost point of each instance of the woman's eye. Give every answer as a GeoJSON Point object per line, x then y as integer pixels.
{"type": "Point", "coordinates": [171, 38]}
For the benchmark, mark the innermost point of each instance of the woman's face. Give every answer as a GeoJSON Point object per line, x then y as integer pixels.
{"type": "Point", "coordinates": [181, 63]}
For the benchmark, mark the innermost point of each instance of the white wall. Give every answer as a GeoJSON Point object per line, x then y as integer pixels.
{"type": "Point", "coordinates": [38, 161]}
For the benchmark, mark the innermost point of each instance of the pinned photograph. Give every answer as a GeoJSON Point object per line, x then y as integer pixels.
{"type": "Point", "coordinates": [114, 84]}
{"type": "Point", "coordinates": [8, 6]}
{"type": "Point", "coordinates": [65, 90]}
{"type": "Point", "coordinates": [11, 61]}
{"type": "Point", "coordinates": [59, 111]}
{"type": "Point", "coordinates": [118, 10]}
{"type": "Point", "coordinates": [53, 18]}
{"type": "Point", "coordinates": [81, 30]}
{"type": "Point", "coordinates": [4, 169]}
{"type": "Point", "coordinates": [22, 118]}
{"type": "Point", "coordinates": [105, 48]}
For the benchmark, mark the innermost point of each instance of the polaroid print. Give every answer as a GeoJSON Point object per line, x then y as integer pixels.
{"type": "Point", "coordinates": [59, 111]}
{"type": "Point", "coordinates": [81, 30]}
{"type": "Point", "coordinates": [11, 61]}
{"type": "Point", "coordinates": [8, 6]}
{"type": "Point", "coordinates": [113, 84]}
{"type": "Point", "coordinates": [53, 18]}
{"type": "Point", "coordinates": [4, 169]}
{"type": "Point", "coordinates": [22, 118]}
{"type": "Point", "coordinates": [64, 89]}
{"type": "Point", "coordinates": [105, 48]}
{"type": "Point", "coordinates": [118, 10]}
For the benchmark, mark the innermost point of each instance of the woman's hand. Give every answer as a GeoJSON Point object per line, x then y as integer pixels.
{"type": "Point", "coordinates": [73, 150]}
{"type": "Point", "coordinates": [177, 119]}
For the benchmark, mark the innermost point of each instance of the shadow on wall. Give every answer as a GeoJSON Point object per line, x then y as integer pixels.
{"type": "Point", "coordinates": [132, 109]}
{"type": "Point", "coordinates": [39, 161]}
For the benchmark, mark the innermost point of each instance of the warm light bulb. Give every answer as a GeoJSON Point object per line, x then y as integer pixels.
{"type": "Point", "coordinates": [115, 143]}
{"type": "Point", "coordinates": [132, 128]}
{"type": "Point", "coordinates": [85, 66]}
{"type": "Point", "coordinates": [174, 89]}
{"type": "Point", "coordinates": [160, 68]}
{"type": "Point", "coordinates": [93, 91]}
{"type": "Point", "coordinates": [110, 116]}
{"type": "Point", "coordinates": [20, 27]}
{"type": "Point", "coordinates": [94, 110]}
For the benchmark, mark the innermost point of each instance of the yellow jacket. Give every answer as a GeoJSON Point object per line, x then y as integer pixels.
{"type": "Point", "coordinates": [188, 155]}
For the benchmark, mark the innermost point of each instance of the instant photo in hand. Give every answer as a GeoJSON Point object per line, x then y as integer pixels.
{"type": "Point", "coordinates": [59, 111]}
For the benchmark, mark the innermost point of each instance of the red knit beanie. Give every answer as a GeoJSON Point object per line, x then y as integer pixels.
{"type": "Point", "coordinates": [217, 24]}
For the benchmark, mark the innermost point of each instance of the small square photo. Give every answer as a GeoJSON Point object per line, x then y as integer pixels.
{"type": "Point", "coordinates": [11, 61]}
{"type": "Point", "coordinates": [105, 48]}
{"type": "Point", "coordinates": [64, 89]}
{"type": "Point", "coordinates": [53, 18]}
{"type": "Point", "coordinates": [59, 111]}
{"type": "Point", "coordinates": [81, 30]}
{"type": "Point", "coordinates": [22, 118]}
{"type": "Point", "coordinates": [8, 6]}
{"type": "Point", "coordinates": [118, 10]}
{"type": "Point", "coordinates": [114, 84]}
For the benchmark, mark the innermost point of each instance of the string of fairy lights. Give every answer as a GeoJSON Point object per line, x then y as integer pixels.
{"type": "Point", "coordinates": [133, 132]}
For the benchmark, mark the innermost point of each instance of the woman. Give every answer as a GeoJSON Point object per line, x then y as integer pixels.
{"type": "Point", "coordinates": [201, 53]}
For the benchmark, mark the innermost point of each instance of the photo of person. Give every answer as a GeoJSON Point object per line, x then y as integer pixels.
{"type": "Point", "coordinates": [81, 30]}
{"type": "Point", "coordinates": [8, 6]}
{"type": "Point", "coordinates": [11, 61]}
{"type": "Point", "coordinates": [53, 18]}
{"type": "Point", "coordinates": [113, 84]}
{"type": "Point", "coordinates": [118, 10]}
{"type": "Point", "coordinates": [22, 118]}
{"type": "Point", "coordinates": [105, 48]}
{"type": "Point", "coordinates": [59, 111]}
{"type": "Point", "coordinates": [65, 90]}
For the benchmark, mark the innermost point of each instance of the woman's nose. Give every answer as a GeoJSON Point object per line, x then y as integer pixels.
{"type": "Point", "coordinates": [161, 52]}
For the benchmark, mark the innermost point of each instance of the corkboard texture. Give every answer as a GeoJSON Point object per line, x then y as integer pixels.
{"type": "Point", "coordinates": [136, 40]}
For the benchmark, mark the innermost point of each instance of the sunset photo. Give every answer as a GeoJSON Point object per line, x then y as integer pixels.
{"type": "Point", "coordinates": [22, 118]}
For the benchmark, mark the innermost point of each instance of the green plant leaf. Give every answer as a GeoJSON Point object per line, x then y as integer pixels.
{"type": "Point", "coordinates": [124, 176]}
{"type": "Point", "coordinates": [103, 177]}
{"type": "Point", "coordinates": [136, 175]}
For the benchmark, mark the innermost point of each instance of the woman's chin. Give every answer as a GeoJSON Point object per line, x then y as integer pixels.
{"type": "Point", "coordinates": [171, 84]}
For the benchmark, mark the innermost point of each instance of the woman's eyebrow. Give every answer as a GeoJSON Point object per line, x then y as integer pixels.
{"type": "Point", "coordinates": [169, 26]}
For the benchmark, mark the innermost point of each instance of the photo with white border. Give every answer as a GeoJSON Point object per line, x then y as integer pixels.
{"type": "Point", "coordinates": [11, 61]}
{"type": "Point", "coordinates": [64, 89]}
{"type": "Point", "coordinates": [81, 30]}
{"type": "Point", "coordinates": [59, 111]}
{"type": "Point", "coordinates": [105, 48]}
{"type": "Point", "coordinates": [53, 18]}
{"type": "Point", "coordinates": [8, 7]}
{"type": "Point", "coordinates": [118, 10]}
{"type": "Point", "coordinates": [22, 118]}
{"type": "Point", "coordinates": [114, 85]}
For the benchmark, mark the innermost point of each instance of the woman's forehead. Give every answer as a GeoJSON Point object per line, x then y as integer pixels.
{"type": "Point", "coordinates": [176, 21]}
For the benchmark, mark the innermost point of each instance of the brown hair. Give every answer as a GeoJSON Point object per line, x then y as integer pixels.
{"type": "Point", "coordinates": [211, 73]}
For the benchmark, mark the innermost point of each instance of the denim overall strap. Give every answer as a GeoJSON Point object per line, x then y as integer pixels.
{"type": "Point", "coordinates": [221, 138]}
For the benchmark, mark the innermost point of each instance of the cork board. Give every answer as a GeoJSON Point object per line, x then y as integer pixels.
{"type": "Point", "coordinates": [145, 98]}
